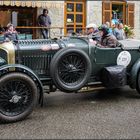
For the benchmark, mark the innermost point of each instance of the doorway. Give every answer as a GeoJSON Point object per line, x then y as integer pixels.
{"type": "Point", "coordinates": [118, 12]}
{"type": "Point", "coordinates": [114, 11]}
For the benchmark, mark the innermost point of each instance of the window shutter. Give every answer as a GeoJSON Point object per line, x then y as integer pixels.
{"type": "Point", "coordinates": [106, 11]}
{"type": "Point", "coordinates": [131, 7]}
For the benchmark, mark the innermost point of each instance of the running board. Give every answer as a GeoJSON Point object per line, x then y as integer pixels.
{"type": "Point", "coordinates": [90, 88]}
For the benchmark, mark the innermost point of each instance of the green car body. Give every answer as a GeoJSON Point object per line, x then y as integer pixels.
{"type": "Point", "coordinates": [67, 64]}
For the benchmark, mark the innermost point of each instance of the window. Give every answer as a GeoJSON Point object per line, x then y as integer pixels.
{"type": "Point", "coordinates": [27, 20]}
{"type": "Point", "coordinates": [118, 10]}
{"type": "Point", "coordinates": [74, 16]}
{"type": "Point", "coordinates": [19, 16]}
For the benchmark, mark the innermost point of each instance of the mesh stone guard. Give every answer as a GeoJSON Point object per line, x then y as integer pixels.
{"type": "Point", "coordinates": [35, 42]}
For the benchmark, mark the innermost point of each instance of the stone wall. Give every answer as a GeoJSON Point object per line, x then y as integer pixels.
{"type": "Point", "coordinates": [136, 19]}
{"type": "Point", "coordinates": [93, 15]}
{"type": "Point", "coordinates": [94, 12]}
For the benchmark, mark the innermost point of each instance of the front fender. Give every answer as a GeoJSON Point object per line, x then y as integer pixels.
{"type": "Point", "coordinates": [21, 68]}
{"type": "Point", "coordinates": [2, 62]}
{"type": "Point", "coordinates": [133, 74]}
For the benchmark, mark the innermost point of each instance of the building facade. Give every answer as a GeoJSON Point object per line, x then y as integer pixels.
{"type": "Point", "coordinates": [69, 15]}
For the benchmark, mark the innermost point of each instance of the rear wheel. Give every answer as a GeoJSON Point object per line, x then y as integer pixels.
{"type": "Point", "coordinates": [138, 83]}
{"type": "Point", "coordinates": [70, 69]}
{"type": "Point", "coordinates": [18, 95]}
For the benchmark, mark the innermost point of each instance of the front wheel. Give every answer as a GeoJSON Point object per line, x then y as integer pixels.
{"type": "Point", "coordinates": [18, 95]}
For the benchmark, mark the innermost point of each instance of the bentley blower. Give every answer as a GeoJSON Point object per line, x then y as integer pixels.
{"type": "Point", "coordinates": [70, 64]}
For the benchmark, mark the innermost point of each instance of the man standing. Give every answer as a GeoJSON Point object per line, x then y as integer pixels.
{"type": "Point", "coordinates": [121, 32]}
{"type": "Point", "coordinates": [44, 21]}
{"type": "Point", "coordinates": [116, 30]}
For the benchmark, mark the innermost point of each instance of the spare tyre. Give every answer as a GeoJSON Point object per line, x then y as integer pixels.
{"type": "Point", "coordinates": [70, 69]}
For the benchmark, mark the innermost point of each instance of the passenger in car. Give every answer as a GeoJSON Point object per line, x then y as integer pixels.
{"type": "Point", "coordinates": [108, 40]}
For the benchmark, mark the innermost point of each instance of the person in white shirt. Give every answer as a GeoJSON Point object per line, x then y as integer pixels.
{"type": "Point", "coordinates": [121, 32]}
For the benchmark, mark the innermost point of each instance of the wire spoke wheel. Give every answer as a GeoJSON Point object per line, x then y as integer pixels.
{"type": "Point", "coordinates": [70, 69]}
{"type": "Point", "coordinates": [18, 95]}
{"type": "Point", "coordinates": [15, 97]}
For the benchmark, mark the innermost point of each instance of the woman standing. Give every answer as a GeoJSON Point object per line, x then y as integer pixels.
{"type": "Point", "coordinates": [11, 34]}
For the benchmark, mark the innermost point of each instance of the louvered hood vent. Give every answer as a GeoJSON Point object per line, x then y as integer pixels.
{"type": "Point", "coordinates": [37, 54]}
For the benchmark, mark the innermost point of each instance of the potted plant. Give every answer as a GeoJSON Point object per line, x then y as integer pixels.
{"type": "Point", "coordinates": [128, 31]}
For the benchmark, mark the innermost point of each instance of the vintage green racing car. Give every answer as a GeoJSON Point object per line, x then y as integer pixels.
{"type": "Point", "coordinates": [70, 64]}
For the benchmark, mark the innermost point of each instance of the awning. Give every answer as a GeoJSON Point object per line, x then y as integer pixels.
{"type": "Point", "coordinates": [33, 3]}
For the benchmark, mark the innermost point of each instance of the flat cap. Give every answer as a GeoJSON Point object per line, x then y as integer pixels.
{"type": "Point", "coordinates": [91, 25]}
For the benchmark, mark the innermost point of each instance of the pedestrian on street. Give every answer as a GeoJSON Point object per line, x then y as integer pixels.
{"type": "Point", "coordinates": [116, 31]}
{"type": "Point", "coordinates": [108, 25]}
{"type": "Point", "coordinates": [44, 20]}
{"type": "Point", "coordinates": [11, 34]}
{"type": "Point", "coordinates": [121, 32]}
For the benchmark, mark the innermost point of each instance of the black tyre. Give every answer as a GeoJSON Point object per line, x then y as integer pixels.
{"type": "Point", "coordinates": [18, 96]}
{"type": "Point", "coordinates": [70, 69]}
{"type": "Point", "coordinates": [138, 83]}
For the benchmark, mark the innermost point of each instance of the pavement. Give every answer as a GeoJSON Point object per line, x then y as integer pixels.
{"type": "Point", "coordinates": [105, 114]}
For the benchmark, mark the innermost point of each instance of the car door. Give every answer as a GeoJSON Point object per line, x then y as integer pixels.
{"type": "Point", "coordinates": [106, 56]}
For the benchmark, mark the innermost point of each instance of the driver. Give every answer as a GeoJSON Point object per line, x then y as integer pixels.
{"type": "Point", "coordinates": [108, 40]}
{"type": "Point", "coordinates": [93, 32]}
